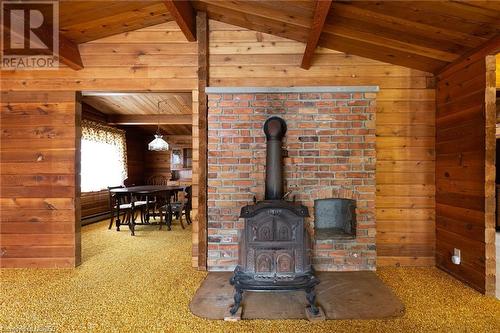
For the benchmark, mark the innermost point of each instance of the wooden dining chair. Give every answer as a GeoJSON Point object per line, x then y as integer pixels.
{"type": "Point", "coordinates": [178, 208]}
{"type": "Point", "coordinates": [155, 201]}
{"type": "Point", "coordinates": [157, 180]}
{"type": "Point", "coordinates": [128, 204]}
{"type": "Point", "coordinates": [165, 210]}
{"type": "Point", "coordinates": [184, 205]}
{"type": "Point", "coordinates": [113, 203]}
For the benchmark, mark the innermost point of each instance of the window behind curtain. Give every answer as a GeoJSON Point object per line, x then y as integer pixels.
{"type": "Point", "coordinates": [104, 157]}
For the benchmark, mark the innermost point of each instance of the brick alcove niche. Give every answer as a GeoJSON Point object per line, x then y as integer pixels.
{"type": "Point", "coordinates": [329, 153]}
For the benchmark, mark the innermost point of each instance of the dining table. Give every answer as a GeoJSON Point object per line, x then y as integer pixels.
{"type": "Point", "coordinates": [166, 192]}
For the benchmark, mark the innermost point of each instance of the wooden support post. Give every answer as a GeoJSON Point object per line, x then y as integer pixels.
{"type": "Point", "coordinates": [490, 174]}
{"type": "Point", "coordinates": [185, 16]}
{"type": "Point", "coordinates": [202, 33]}
{"type": "Point", "coordinates": [78, 168]}
{"type": "Point", "coordinates": [320, 14]}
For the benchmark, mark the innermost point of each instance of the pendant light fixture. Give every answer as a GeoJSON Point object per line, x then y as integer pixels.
{"type": "Point", "coordinates": [158, 144]}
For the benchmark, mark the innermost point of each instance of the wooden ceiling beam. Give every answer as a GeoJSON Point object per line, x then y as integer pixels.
{"type": "Point", "coordinates": [254, 20]}
{"type": "Point", "coordinates": [380, 53]}
{"type": "Point", "coordinates": [152, 119]}
{"type": "Point", "coordinates": [320, 14]}
{"type": "Point", "coordinates": [384, 19]}
{"type": "Point", "coordinates": [491, 47]}
{"type": "Point", "coordinates": [68, 52]}
{"type": "Point", "coordinates": [185, 16]}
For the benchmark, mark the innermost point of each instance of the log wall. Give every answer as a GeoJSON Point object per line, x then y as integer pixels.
{"type": "Point", "coordinates": [465, 172]}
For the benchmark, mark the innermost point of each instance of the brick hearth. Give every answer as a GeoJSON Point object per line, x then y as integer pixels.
{"type": "Point", "coordinates": [331, 153]}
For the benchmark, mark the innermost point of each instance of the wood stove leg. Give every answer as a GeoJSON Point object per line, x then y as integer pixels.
{"type": "Point", "coordinates": [311, 299]}
{"type": "Point", "coordinates": [238, 296]}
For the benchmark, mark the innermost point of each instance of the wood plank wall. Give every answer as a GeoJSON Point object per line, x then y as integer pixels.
{"type": "Point", "coordinates": [94, 203]}
{"type": "Point", "coordinates": [37, 172]}
{"type": "Point", "coordinates": [159, 58]}
{"type": "Point", "coordinates": [465, 172]}
{"type": "Point", "coordinates": [37, 194]}
{"type": "Point", "coordinates": [159, 163]}
{"type": "Point", "coordinates": [136, 156]}
{"type": "Point", "coordinates": [405, 126]}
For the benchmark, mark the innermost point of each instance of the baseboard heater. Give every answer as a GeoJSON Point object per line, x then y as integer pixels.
{"type": "Point", "coordinates": [95, 218]}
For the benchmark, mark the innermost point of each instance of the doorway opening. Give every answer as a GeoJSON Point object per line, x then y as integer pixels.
{"type": "Point", "coordinates": [128, 187]}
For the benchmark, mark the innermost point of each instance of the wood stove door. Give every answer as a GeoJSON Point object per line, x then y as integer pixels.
{"type": "Point", "coordinates": [274, 242]}
{"type": "Point", "coordinates": [274, 225]}
{"type": "Point", "coordinates": [274, 261]}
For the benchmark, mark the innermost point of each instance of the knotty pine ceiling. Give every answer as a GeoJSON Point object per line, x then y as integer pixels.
{"type": "Point", "coordinates": [144, 104]}
{"type": "Point", "coordinates": [141, 103]}
{"type": "Point", "coordinates": [425, 35]}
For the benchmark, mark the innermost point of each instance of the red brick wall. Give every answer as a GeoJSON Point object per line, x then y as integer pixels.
{"type": "Point", "coordinates": [331, 153]}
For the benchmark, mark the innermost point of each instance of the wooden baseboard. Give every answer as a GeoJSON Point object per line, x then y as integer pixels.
{"type": "Point", "coordinates": [406, 261]}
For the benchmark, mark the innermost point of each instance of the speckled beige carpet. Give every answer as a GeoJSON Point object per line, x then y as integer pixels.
{"type": "Point", "coordinates": [145, 283]}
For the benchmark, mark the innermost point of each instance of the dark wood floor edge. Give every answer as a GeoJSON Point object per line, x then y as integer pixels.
{"type": "Point", "coordinates": [461, 279]}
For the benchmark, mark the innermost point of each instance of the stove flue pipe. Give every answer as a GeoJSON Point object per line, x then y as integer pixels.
{"type": "Point", "coordinates": [275, 129]}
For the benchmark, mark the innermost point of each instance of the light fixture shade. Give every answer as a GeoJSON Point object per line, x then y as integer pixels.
{"type": "Point", "coordinates": [158, 144]}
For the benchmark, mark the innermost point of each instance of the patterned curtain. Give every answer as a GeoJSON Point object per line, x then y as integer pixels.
{"type": "Point", "coordinates": [99, 133]}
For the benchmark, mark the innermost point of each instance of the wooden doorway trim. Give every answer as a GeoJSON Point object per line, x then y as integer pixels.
{"type": "Point", "coordinates": [78, 169]}
{"type": "Point", "coordinates": [202, 124]}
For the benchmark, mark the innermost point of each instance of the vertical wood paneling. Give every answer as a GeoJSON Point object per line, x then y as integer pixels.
{"type": "Point", "coordinates": [38, 170]}
{"type": "Point", "coordinates": [465, 172]}
{"type": "Point", "coordinates": [405, 126]}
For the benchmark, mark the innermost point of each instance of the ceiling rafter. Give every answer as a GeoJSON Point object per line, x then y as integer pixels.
{"type": "Point", "coordinates": [185, 16]}
{"type": "Point", "coordinates": [319, 19]}
{"type": "Point", "coordinates": [420, 35]}
{"type": "Point", "coordinates": [491, 47]}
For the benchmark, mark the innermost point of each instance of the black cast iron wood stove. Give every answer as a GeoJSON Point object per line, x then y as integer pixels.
{"type": "Point", "coordinates": [274, 247]}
